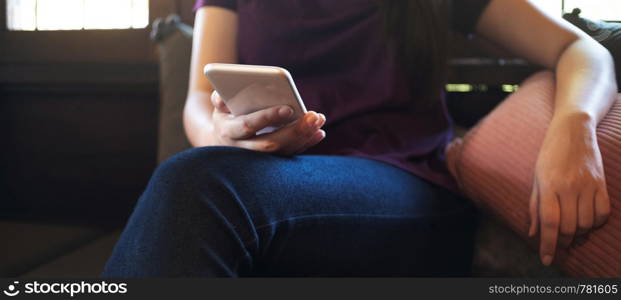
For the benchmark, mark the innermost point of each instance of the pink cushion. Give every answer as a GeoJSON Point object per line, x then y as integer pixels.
{"type": "Point", "coordinates": [494, 166]}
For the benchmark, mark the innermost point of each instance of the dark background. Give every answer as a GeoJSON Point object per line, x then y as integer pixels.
{"type": "Point", "coordinates": [78, 113]}
{"type": "Point", "coordinates": [79, 131]}
{"type": "Point", "coordinates": [79, 116]}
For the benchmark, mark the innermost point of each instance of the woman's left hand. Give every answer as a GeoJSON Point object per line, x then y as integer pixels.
{"type": "Point", "coordinates": [569, 195]}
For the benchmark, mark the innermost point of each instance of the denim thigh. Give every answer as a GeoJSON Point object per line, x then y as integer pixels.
{"type": "Point", "coordinates": [222, 211]}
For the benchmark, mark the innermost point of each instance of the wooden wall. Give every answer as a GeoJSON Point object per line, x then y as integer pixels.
{"type": "Point", "coordinates": [76, 149]}
{"type": "Point", "coordinates": [78, 117]}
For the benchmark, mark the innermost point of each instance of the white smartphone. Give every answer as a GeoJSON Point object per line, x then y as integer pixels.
{"type": "Point", "coordinates": [248, 88]}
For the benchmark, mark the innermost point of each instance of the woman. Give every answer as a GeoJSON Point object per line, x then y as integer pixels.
{"type": "Point", "coordinates": [373, 196]}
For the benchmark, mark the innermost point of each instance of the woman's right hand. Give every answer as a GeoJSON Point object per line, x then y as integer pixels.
{"type": "Point", "coordinates": [240, 131]}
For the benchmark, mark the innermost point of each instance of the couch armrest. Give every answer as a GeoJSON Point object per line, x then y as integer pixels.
{"type": "Point", "coordinates": [174, 44]}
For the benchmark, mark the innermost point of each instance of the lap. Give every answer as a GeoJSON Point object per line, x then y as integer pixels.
{"type": "Point", "coordinates": [276, 187]}
{"type": "Point", "coordinates": [299, 215]}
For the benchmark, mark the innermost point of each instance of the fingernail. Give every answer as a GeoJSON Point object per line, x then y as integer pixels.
{"type": "Point", "coordinates": [285, 111]}
{"type": "Point", "coordinates": [547, 260]}
{"type": "Point", "coordinates": [318, 122]}
{"type": "Point", "coordinates": [313, 119]}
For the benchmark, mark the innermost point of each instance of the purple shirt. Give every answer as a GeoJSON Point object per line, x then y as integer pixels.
{"type": "Point", "coordinates": [340, 62]}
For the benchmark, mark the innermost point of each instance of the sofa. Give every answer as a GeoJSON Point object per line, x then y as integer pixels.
{"type": "Point", "coordinates": [499, 252]}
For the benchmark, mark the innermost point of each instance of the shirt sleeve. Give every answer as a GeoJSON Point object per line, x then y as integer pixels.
{"type": "Point", "coordinates": [230, 4]}
{"type": "Point", "coordinates": [466, 13]}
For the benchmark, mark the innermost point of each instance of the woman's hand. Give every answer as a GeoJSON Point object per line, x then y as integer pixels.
{"type": "Point", "coordinates": [569, 195]}
{"type": "Point", "coordinates": [240, 131]}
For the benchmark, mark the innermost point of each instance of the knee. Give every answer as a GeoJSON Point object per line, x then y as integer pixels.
{"type": "Point", "coordinates": [198, 163]}
{"type": "Point", "coordinates": [194, 172]}
{"type": "Point", "coordinates": [186, 203]}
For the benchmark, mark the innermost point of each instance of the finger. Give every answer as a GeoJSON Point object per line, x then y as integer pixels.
{"type": "Point", "coordinates": [302, 133]}
{"type": "Point", "coordinates": [246, 126]}
{"type": "Point", "coordinates": [321, 121]}
{"type": "Point", "coordinates": [586, 209]}
{"type": "Point", "coordinates": [602, 206]}
{"type": "Point", "coordinates": [534, 210]}
{"type": "Point", "coordinates": [285, 140]}
{"type": "Point", "coordinates": [218, 103]}
{"type": "Point", "coordinates": [263, 145]}
{"type": "Point", "coordinates": [314, 140]}
{"type": "Point", "coordinates": [569, 219]}
{"type": "Point", "coordinates": [549, 215]}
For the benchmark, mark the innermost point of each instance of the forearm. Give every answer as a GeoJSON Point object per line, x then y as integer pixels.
{"type": "Point", "coordinates": [197, 118]}
{"type": "Point", "coordinates": [586, 86]}
{"type": "Point", "coordinates": [215, 40]}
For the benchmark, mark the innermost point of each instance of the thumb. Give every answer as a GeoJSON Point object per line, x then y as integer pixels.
{"type": "Point", "coordinates": [218, 103]}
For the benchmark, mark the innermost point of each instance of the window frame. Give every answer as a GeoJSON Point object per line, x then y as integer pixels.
{"type": "Point", "coordinates": [563, 12]}
{"type": "Point", "coordinates": [97, 45]}
{"type": "Point", "coordinates": [4, 7]}
{"type": "Point", "coordinates": [64, 56]}
{"type": "Point", "coordinates": [609, 21]}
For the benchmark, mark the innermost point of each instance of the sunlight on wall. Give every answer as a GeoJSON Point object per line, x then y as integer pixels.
{"type": "Point", "coordinates": [21, 14]}
{"type": "Point", "coordinates": [467, 88]}
{"type": "Point", "coordinates": [510, 88]}
{"type": "Point", "coordinates": [59, 14]}
{"type": "Point", "coordinates": [77, 14]}
{"type": "Point", "coordinates": [459, 88]}
{"type": "Point", "coordinates": [552, 7]}
{"type": "Point", "coordinates": [609, 10]}
{"type": "Point", "coordinates": [120, 14]}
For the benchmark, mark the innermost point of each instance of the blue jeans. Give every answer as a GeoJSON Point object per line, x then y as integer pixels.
{"type": "Point", "coordinates": [220, 211]}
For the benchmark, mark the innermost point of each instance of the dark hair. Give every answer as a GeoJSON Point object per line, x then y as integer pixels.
{"type": "Point", "coordinates": [418, 31]}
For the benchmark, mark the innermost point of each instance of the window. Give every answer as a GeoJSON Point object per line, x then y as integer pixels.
{"type": "Point", "coordinates": [607, 10]}
{"type": "Point", "coordinates": [29, 15]}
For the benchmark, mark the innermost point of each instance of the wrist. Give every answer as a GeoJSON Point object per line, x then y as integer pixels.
{"type": "Point", "coordinates": [207, 137]}
{"type": "Point", "coordinates": [574, 121]}
{"type": "Point", "coordinates": [200, 134]}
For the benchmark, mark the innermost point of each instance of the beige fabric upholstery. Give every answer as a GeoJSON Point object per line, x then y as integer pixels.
{"type": "Point", "coordinates": [174, 53]}
{"type": "Point", "coordinates": [494, 166]}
